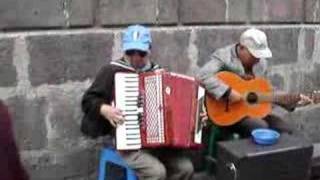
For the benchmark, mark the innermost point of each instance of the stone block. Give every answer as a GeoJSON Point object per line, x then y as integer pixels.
{"type": "Point", "coordinates": [16, 14]}
{"type": "Point", "coordinates": [309, 43]}
{"type": "Point", "coordinates": [277, 81]}
{"type": "Point", "coordinates": [238, 11]}
{"type": "Point", "coordinates": [55, 59]}
{"type": "Point", "coordinates": [29, 122]}
{"type": "Point", "coordinates": [168, 12]}
{"type": "Point", "coordinates": [123, 12]}
{"type": "Point", "coordinates": [202, 11]}
{"type": "Point", "coordinates": [312, 11]}
{"type": "Point", "coordinates": [307, 122]}
{"type": "Point", "coordinates": [277, 11]}
{"type": "Point", "coordinates": [170, 49]}
{"type": "Point", "coordinates": [77, 162]}
{"type": "Point", "coordinates": [81, 12]}
{"type": "Point", "coordinates": [283, 43]}
{"type": "Point", "coordinates": [209, 40]}
{"type": "Point", "coordinates": [7, 69]}
{"type": "Point", "coordinates": [310, 79]}
{"type": "Point", "coordinates": [65, 113]}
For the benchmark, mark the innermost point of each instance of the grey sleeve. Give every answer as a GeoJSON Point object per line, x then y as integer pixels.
{"type": "Point", "coordinates": [213, 85]}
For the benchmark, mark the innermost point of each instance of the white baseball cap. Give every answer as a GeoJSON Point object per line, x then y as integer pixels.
{"type": "Point", "coordinates": [256, 42]}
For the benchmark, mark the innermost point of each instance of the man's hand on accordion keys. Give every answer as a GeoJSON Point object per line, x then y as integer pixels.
{"type": "Point", "coordinates": [112, 114]}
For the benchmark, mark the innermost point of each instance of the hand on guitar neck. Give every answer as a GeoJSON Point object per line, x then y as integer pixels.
{"type": "Point", "coordinates": [296, 100]}
{"type": "Point", "coordinates": [312, 98]}
{"type": "Point", "coordinates": [304, 100]}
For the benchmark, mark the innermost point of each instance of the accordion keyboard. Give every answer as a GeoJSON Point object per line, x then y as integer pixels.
{"type": "Point", "coordinates": [127, 95]}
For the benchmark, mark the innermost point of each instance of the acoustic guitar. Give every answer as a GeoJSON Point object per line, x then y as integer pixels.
{"type": "Point", "coordinates": [257, 98]}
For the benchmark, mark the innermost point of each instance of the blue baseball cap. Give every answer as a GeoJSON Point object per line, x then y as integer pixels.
{"type": "Point", "coordinates": [136, 37]}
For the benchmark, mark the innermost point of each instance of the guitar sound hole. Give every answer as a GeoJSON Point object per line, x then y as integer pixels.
{"type": "Point", "coordinates": [252, 98]}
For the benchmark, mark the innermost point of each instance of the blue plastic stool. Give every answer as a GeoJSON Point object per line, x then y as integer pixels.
{"type": "Point", "coordinates": [110, 160]}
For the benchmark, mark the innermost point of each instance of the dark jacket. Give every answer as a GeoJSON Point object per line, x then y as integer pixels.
{"type": "Point", "coordinates": [10, 165]}
{"type": "Point", "coordinates": [102, 92]}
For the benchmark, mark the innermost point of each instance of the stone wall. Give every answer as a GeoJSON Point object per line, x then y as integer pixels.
{"type": "Point", "coordinates": [50, 50]}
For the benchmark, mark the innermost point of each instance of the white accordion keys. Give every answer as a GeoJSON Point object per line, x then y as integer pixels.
{"type": "Point", "coordinates": [128, 135]}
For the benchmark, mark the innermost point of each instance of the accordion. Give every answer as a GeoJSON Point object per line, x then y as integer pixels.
{"type": "Point", "coordinates": [168, 115]}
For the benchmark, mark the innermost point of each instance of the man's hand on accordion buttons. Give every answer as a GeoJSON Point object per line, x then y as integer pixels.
{"type": "Point", "coordinates": [112, 114]}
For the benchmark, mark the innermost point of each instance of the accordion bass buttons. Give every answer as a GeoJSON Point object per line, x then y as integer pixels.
{"type": "Point", "coordinates": [140, 100]}
{"type": "Point", "coordinates": [140, 114]}
{"type": "Point", "coordinates": [140, 107]}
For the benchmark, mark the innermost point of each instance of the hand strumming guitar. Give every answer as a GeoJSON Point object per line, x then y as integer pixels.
{"type": "Point", "coordinates": [234, 96]}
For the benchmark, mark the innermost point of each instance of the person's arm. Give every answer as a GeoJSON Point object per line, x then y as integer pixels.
{"type": "Point", "coordinates": [287, 106]}
{"type": "Point", "coordinates": [10, 164]}
{"type": "Point", "coordinates": [212, 84]}
{"type": "Point", "coordinates": [98, 94]}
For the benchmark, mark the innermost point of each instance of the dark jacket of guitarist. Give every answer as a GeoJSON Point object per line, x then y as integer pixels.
{"type": "Point", "coordinates": [247, 59]}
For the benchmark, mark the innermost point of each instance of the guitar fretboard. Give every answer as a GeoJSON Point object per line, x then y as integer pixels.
{"type": "Point", "coordinates": [283, 98]}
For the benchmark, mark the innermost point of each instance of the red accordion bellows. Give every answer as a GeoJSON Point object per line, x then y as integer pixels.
{"type": "Point", "coordinates": [180, 105]}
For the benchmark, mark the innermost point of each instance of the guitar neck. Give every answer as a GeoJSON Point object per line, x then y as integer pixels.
{"type": "Point", "coordinates": [280, 98]}
{"type": "Point", "coordinates": [286, 98]}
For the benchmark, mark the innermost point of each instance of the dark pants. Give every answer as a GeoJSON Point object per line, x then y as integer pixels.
{"type": "Point", "coordinates": [160, 164]}
{"type": "Point", "coordinates": [245, 126]}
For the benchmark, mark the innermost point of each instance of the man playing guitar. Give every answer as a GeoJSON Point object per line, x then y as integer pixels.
{"type": "Point", "coordinates": [248, 60]}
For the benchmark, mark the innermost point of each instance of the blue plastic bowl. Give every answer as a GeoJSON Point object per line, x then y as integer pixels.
{"type": "Point", "coordinates": [265, 136]}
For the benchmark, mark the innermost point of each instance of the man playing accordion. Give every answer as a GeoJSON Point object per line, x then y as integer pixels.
{"type": "Point", "coordinates": [101, 117]}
